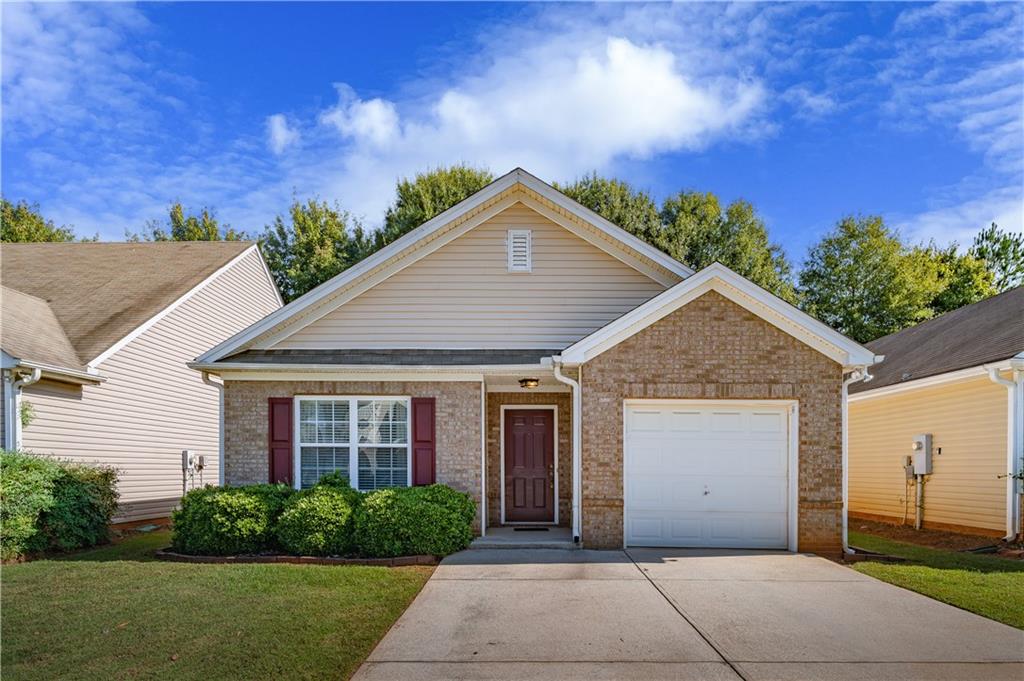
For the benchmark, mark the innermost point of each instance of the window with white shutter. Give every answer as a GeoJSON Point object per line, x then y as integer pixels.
{"type": "Point", "coordinates": [520, 257]}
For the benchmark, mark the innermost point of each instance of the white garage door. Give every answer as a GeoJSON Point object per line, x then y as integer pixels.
{"type": "Point", "coordinates": [698, 474]}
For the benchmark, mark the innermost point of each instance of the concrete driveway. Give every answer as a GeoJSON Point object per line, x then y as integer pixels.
{"type": "Point", "coordinates": [681, 614]}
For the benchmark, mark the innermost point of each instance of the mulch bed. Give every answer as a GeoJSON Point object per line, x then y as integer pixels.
{"type": "Point", "coordinates": [400, 561]}
{"type": "Point", "coordinates": [935, 539]}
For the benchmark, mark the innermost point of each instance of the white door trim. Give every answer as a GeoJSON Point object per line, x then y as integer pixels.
{"type": "Point", "coordinates": [793, 464]}
{"type": "Point", "coordinates": [501, 443]}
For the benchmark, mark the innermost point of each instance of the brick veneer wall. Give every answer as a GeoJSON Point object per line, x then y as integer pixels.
{"type": "Point", "coordinates": [457, 421]}
{"type": "Point", "coordinates": [563, 403]}
{"type": "Point", "coordinates": [712, 348]}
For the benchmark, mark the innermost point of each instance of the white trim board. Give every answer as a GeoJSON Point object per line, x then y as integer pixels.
{"type": "Point", "coordinates": [792, 408]}
{"type": "Point", "coordinates": [718, 277]}
{"type": "Point", "coordinates": [927, 382]}
{"type": "Point", "coordinates": [501, 472]}
{"type": "Point", "coordinates": [411, 241]}
{"type": "Point", "coordinates": [145, 326]}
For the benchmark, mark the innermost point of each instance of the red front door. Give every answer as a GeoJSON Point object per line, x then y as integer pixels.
{"type": "Point", "coordinates": [529, 465]}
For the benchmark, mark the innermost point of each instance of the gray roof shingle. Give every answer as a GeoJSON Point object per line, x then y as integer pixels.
{"type": "Point", "coordinates": [987, 331]}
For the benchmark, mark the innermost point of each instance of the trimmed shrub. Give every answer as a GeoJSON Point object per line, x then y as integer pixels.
{"type": "Point", "coordinates": [339, 482]}
{"type": "Point", "coordinates": [318, 522]}
{"type": "Point", "coordinates": [220, 521]}
{"type": "Point", "coordinates": [52, 504]}
{"type": "Point", "coordinates": [407, 521]}
{"type": "Point", "coordinates": [459, 503]}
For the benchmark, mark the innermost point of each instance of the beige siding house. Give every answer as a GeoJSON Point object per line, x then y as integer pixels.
{"type": "Point", "coordinates": [958, 379]}
{"type": "Point", "coordinates": [129, 317]}
{"type": "Point", "coordinates": [570, 377]}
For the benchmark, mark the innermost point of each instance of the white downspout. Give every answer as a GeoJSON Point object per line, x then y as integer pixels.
{"type": "Point", "coordinates": [220, 424]}
{"type": "Point", "coordinates": [1014, 443]}
{"type": "Point", "coordinates": [858, 374]}
{"type": "Point", "coordinates": [577, 467]}
{"type": "Point", "coordinates": [13, 417]}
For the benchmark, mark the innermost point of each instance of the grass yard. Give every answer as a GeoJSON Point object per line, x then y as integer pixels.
{"type": "Point", "coordinates": [116, 613]}
{"type": "Point", "coordinates": [984, 584]}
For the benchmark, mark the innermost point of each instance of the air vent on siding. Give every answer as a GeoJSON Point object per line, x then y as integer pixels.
{"type": "Point", "coordinates": [520, 256]}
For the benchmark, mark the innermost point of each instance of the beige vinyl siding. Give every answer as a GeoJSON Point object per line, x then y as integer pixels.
{"type": "Point", "coordinates": [967, 419]}
{"type": "Point", "coordinates": [152, 406]}
{"type": "Point", "coordinates": [463, 296]}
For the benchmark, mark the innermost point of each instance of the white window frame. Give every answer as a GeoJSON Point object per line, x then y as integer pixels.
{"type": "Point", "coordinates": [512, 234]}
{"type": "Point", "coordinates": [353, 434]}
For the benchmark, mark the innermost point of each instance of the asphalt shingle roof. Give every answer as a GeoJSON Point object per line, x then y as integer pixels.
{"type": "Point", "coordinates": [393, 357]}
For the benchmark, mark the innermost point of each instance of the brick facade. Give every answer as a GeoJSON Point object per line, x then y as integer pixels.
{"type": "Point", "coordinates": [457, 421]}
{"type": "Point", "coordinates": [563, 404]}
{"type": "Point", "coordinates": [712, 348]}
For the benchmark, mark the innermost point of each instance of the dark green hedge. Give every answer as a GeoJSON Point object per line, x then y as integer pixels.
{"type": "Point", "coordinates": [49, 504]}
{"type": "Point", "coordinates": [331, 519]}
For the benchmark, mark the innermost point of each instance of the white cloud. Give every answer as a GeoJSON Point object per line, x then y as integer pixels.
{"type": "Point", "coordinates": [280, 135]}
{"type": "Point", "coordinates": [557, 107]}
{"type": "Point", "coordinates": [959, 222]}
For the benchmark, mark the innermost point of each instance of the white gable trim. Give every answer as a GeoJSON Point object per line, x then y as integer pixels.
{"type": "Point", "coordinates": [145, 326]}
{"type": "Point", "coordinates": [328, 289]}
{"type": "Point", "coordinates": [718, 277]}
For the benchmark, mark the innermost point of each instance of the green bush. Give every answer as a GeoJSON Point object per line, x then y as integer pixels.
{"type": "Point", "coordinates": [52, 504]}
{"type": "Point", "coordinates": [414, 520]}
{"type": "Point", "coordinates": [228, 520]}
{"type": "Point", "coordinates": [339, 482]}
{"type": "Point", "coordinates": [459, 503]}
{"type": "Point", "coordinates": [317, 522]}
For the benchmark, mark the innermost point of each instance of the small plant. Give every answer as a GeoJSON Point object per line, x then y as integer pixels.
{"type": "Point", "coordinates": [26, 414]}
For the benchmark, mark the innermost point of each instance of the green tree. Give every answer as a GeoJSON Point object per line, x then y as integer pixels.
{"type": "Point", "coordinates": [181, 226]}
{"type": "Point", "coordinates": [620, 204]}
{"type": "Point", "coordinates": [427, 195]}
{"type": "Point", "coordinates": [962, 278]}
{"type": "Point", "coordinates": [316, 243]}
{"type": "Point", "coordinates": [21, 222]}
{"type": "Point", "coordinates": [1004, 254]}
{"type": "Point", "coordinates": [864, 281]}
{"type": "Point", "coordinates": [697, 232]}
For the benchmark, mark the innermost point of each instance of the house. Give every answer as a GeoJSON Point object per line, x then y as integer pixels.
{"type": "Point", "coordinates": [523, 349]}
{"type": "Point", "coordinates": [95, 339]}
{"type": "Point", "coordinates": [959, 380]}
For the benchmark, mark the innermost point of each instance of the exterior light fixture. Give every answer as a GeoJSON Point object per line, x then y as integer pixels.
{"type": "Point", "coordinates": [528, 383]}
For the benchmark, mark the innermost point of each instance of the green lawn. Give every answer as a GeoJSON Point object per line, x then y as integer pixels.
{"type": "Point", "coordinates": [987, 585]}
{"type": "Point", "coordinates": [116, 613]}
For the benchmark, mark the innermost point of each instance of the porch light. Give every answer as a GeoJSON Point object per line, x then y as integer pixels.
{"type": "Point", "coordinates": [528, 383]}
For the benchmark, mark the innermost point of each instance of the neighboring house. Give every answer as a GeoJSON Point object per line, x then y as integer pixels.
{"type": "Point", "coordinates": [95, 341]}
{"type": "Point", "coordinates": [523, 349]}
{"type": "Point", "coordinates": [960, 379]}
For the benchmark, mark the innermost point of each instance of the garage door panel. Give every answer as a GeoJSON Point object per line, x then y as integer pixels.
{"type": "Point", "coordinates": [707, 475]}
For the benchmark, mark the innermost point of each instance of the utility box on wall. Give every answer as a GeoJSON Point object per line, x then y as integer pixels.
{"type": "Point", "coordinates": [922, 454]}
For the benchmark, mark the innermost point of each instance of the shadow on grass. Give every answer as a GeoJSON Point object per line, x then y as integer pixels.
{"type": "Point", "coordinates": [939, 559]}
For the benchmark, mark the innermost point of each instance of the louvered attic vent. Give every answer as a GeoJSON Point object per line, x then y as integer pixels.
{"type": "Point", "coordinates": [520, 256]}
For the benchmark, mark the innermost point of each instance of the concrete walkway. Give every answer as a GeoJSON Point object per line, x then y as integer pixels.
{"type": "Point", "coordinates": [673, 614]}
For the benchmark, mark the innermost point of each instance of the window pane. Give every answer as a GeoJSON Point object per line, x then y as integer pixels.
{"type": "Point", "coordinates": [383, 467]}
{"type": "Point", "coordinates": [314, 462]}
{"type": "Point", "coordinates": [323, 422]}
{"type": "Point", "coordinates": [383, 422]}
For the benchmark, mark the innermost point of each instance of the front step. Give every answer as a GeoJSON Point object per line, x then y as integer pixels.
{"type": "Point", "coordinates": [488, 543]}
{"type": "Point", "coordinates": [523, 538]}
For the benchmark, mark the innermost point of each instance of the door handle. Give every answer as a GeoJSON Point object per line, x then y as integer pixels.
{"type": "Point", "coordinates": [706, 490]}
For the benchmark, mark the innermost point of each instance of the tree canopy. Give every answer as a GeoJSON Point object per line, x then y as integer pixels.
{"type": "Point", "coordinates": [314, 243]}
{"type": "Point", "coordinates": [617, 202]}
{"type": "Point", "coordinates": [1004, 254]}
{"type": "Point", "coordinates": [182, 226]}
{"type": "Point", "coordinates": [20, 222]}
{"type": "Point", "coordinates": [862, 280]}
{"type": "Point", "coordinates": [427, 195]}
{"type": "Point", "coordinates": [697, 232]}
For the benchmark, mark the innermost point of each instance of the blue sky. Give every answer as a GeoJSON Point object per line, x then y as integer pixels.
{"type": "Point", "coordinates": [811, 112]}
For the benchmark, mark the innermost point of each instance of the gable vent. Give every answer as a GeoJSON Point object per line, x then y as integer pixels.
{"type": "Point", "coordinates": [520, 247]}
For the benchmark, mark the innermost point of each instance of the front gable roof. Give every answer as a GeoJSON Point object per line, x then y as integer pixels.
{"type": "Point", "coordinates": [517, 186]}
{"type": "Point", "coordinates": [718, 277]}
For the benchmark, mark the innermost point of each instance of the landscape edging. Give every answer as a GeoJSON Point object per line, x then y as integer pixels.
{"type": "Point", "coordinates": [400, 561]}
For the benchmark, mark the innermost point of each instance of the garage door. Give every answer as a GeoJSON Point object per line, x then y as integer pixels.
{"type": "Point", "coordinates": [698, 474]}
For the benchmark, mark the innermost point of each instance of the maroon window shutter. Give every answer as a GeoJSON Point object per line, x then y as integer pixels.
{"type": "Point", "coordinates": [423, 441]}
{"type": "Point", "coordinates": [280, 435]}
